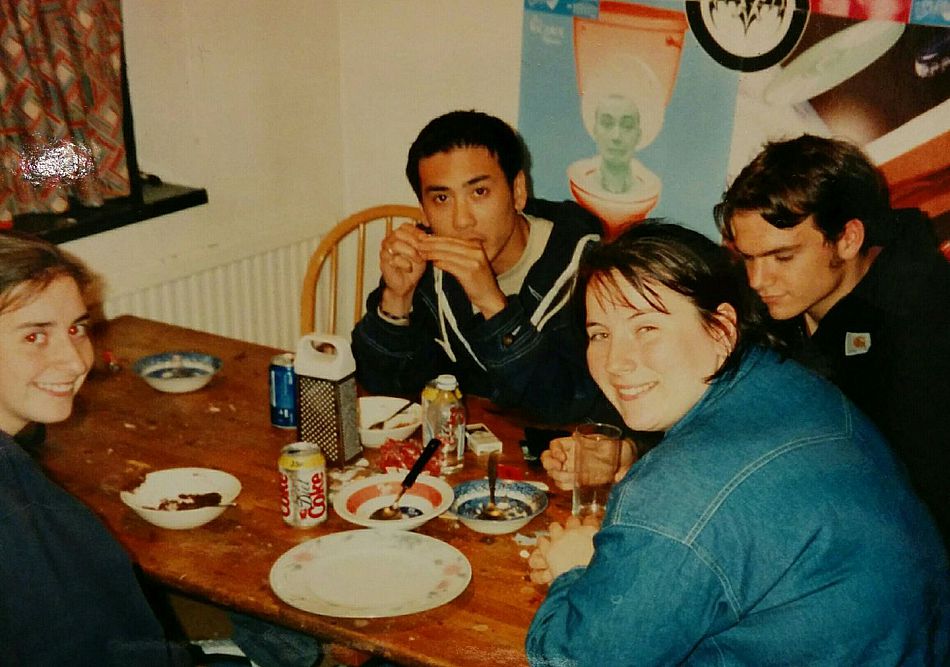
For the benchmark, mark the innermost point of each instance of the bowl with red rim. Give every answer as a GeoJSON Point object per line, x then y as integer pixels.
{"type": "Point", "coordinates": [428, 498]}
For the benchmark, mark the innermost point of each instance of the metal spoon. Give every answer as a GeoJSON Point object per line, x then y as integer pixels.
{"type": "Point", "coordinates": [491, 511]}
{"type": "Point", "coordinates": [398, 412]}
{"type": "Point", "coordinates": [394, 511]}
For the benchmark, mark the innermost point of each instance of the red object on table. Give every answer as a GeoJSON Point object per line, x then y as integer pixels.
{"type": "Point", "coordinates": [402, 454]}
{"type": "Point", "coordinates": [510, 472]}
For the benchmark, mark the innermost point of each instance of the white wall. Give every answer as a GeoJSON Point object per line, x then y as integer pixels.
{"type": "Point", "coordinates": [405, 62]}
{"type": "Point", "coordinates": [291, 113]}
{"type": "Point", "coordinates": [242, 98]}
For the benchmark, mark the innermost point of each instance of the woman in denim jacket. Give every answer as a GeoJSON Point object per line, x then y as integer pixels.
{"type": "Point", "coordinates": [771, 525]}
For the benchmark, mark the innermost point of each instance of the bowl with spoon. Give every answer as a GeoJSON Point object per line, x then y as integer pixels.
{"type": "Point", "coordinates": [385, 418]}
{"type": "Point", "coordinates": [182, 498]}
{"type": "Point", "coordinates": [496, 507]}
{"type": "Point", "coordinates": [395, 500]}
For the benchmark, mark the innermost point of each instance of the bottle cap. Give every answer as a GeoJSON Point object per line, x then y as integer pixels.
{"type": "Point", "coordinates": [446, 382]}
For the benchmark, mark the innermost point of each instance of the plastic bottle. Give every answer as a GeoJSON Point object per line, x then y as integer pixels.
{"type": "Point", "coordinates": [443, 417]}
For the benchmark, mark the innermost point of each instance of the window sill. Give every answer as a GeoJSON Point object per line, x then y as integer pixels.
{"type": "Point", "coordinates": [157, 199]}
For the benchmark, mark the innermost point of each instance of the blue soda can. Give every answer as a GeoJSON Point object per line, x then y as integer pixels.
{"type": "Point", "coordinates": [283, 391]}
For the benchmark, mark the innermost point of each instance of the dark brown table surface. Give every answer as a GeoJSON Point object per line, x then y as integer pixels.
{"type": "Point", "coordinates": [121, 429]}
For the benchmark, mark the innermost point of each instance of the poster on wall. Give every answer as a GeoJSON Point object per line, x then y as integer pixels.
{"type": "Point", "coordinates": [650, 108]}
{"type": "Point", "coordinates": [623, 111]}
{"type": "Point", "coordinates": [862, 72]}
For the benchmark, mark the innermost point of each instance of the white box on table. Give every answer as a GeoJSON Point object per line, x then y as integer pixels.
{"type": "Point", "coordinates": [481, 440]}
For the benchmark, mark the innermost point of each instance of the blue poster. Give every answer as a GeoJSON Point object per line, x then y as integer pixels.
{"type": "Point", "coordinates": [623, 111]}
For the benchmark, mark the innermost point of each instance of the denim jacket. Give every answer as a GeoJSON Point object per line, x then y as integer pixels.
{"type": "Point", "coordinates": [770, 526]}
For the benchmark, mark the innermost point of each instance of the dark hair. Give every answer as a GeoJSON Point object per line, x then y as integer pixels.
{"type": "Point", "coordinates": [467, 129]}
{"type": "Point", "coordinates": [33, 263]}
{"type": "Point", "coordinates": [661, 253]}
{"type": "Point", "coordinates": [788, 181]}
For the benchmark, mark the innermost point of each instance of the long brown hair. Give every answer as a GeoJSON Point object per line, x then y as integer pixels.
{"type": "Point", "coordinates": [29, 264]}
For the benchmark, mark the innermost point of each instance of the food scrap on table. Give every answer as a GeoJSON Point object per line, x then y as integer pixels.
{"type": "Point", "coordinates": [337, 477]}
{"type": "Point", "coordinates": [401, 454]}
{"type": "Point", "coordinates": [525, 540]}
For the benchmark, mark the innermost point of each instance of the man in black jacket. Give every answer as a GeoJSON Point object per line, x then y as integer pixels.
{"type": "Point", "coordinates": [863, 286]}
{"type": "Point", "coordinates": [485, 289]}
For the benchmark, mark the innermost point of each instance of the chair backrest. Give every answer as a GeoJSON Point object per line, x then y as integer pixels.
{"type": "Point", "coordinates": [389, 214]}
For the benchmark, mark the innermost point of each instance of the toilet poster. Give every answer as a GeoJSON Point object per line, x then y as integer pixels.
{"type": "Point", "coordinates": [639, 69]}
{"type": "Point", "coordinates": [648, 109]}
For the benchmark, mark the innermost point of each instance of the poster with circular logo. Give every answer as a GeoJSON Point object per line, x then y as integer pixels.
{"type": "Point", "coordinates": [750, 35]}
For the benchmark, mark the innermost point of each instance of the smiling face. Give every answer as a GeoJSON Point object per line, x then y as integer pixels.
{"type": "Point", "coordinates": [465, 195]}
{"type": "Point", "coordinates": [652, 365]}
{"type": "Point", "coordinates": [45, 354]}
{"type": "Point", "coordinates": [794, 270]}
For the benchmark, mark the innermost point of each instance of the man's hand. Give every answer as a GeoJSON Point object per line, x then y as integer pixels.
{"type": "Point", "coordinates": [402, 265]}
{"type": "Point", "coordinates": [467, 262]}
{"type": "Point", "coordinates": [567, 547]}
{"type": "Point", "coordinates": [558, 461]}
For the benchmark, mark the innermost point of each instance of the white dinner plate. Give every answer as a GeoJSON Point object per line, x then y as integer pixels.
{"type": "Point", "coordinates": [370, 574]}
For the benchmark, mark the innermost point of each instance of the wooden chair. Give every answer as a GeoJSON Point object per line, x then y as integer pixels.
{"type": "Point", "coordinates": [357, 224]}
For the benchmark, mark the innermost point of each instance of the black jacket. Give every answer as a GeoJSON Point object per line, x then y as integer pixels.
{"type": "Point", "coordinates": [68, 593]}
{"type": "Point", "coordinates": [887, 346]}
{"type": "Point", "coordinates": [530, 356]}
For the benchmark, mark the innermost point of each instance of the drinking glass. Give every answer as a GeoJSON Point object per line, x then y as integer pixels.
{"type": "Point", "coordinates": [596, 462]}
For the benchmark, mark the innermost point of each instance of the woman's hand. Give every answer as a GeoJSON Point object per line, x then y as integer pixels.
{"type": "Point", "coordinates": [558, 461]}
{"type": "Point", "coordinates": [567, 547]}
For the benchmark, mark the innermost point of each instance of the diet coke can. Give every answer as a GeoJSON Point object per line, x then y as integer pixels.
{"type": "Point", "coordinates": [303, 485]}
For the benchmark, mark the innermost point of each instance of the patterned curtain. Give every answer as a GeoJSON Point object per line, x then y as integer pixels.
{"type": "Point", "coordinates": [60, 105]}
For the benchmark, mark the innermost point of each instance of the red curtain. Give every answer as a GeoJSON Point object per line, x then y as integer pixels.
{"type": "Point", "coordinates": [60, 105]}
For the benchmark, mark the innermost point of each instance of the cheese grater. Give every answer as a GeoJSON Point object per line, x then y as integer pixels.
{"type": "Point", "coordinates": [326, 396]}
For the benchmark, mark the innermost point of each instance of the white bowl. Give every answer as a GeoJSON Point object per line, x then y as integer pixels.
{"type": "Point", "coordinates": [183, 487]}
{"type": "Point", "coordinates": [357, 500]}
{"type": "Point", "coordinates": [177, 372]}
{"type": "Point", "coordinates": [520, 501]}
{"type": "Point", "coordinates": [400, 427]}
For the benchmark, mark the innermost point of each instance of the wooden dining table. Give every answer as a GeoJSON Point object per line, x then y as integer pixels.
{"type": "Point", "coordinates": [121, 429]}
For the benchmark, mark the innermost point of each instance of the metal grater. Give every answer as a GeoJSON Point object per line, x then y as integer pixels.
{"type": "Point", "coordinates": [326, 397]}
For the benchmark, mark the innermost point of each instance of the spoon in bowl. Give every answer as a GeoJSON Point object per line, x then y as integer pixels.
{"type": "Point", "coordinates": [381, 422]}
{"type": "Point", "coordinates": [491, 511]}
{"type": "Point", "coordinates": [394, 511]}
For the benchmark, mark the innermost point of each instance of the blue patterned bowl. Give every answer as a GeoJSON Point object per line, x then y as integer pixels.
{"type": "Point", "coordinates": [177, 372]}
{"type": "Point", "coordinates": [520, 502]}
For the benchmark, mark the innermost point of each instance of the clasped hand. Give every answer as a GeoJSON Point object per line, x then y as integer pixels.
{"type": "Point", "coordinates": [406, 249]}
{"type": "Point", "coordinates": [568, 546]}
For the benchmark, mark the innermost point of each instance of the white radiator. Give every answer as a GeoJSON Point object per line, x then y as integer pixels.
{"type": "Point", "coordinates": [254, 298]}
